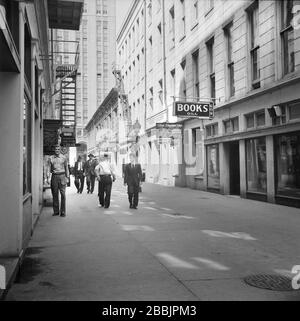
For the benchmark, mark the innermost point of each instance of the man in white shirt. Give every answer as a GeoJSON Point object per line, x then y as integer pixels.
{"type": "Point", "coordinates": [105, 175]}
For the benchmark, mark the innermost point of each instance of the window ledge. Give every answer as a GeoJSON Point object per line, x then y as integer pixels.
{"type": "Point", "coordinates": [195, 25]}
{"type": "Point", "coordinates": [208, 12]}
{"type": "Point", "coordinates": [182, 38]}
{"type": "Point", "coordinates": [199, 177]}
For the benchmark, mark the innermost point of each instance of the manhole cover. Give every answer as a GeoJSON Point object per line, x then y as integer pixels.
{"type": "Point", "coordinates": [270, 282]}
{"type": "Point", "coordinates": [176, 214]}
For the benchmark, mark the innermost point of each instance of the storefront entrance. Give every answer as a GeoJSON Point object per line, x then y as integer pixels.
{"type": "Point", "coordinates": [234, 168]}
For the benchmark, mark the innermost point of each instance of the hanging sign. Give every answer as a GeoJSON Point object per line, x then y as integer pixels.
{"type": "Point", "coordinates": [203, 110]}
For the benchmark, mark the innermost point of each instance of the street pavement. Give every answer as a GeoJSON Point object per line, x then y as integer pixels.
{"type": "Point", "coordinates": [180, 244]}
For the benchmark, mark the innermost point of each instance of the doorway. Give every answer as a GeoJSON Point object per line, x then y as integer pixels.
{"type": "Point", "coordinates": [234, 168]}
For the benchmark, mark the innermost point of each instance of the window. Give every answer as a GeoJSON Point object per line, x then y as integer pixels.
{"type": "Point", "coordinates": [213, 167]}
{"type": "Point", "coordinates": [256, 165]}
{"type": "Point", "coordinates": [182, 27]}
{"type": "Point", "coordinates": [194, 141]}
{"type": "Point", "coordinates": [196, 10]}
{"type": "Point", "coordinates": [254, 46]}
{"type": "Point", "coordinates": [173, 81]}
{"type": "Point", "coordinates": [250, 121]}
{"type": "Point", "coordinates": [211, 68]}
{"type": "Point", "coordinates": [231, 125]}
{"type": "Point", "coordinates": [280, 115]}
{"type": "Point", "coordinates": [158, 2]}
{"type": "Point", "coordinates": [212, 130]}
{"type": "Point", "coordinates": [195, 57]}
{"type": "Point", "coordinates": [172, 27]}
{"type": "Point", "coordinates": [150, 12]}
{"type": "Point", "coordinates": [294, 110]}
{"type": "Point", "coordinates": [209, 5]}
{"type": "Point", "coordinates": [183, 81]}
{"type": "Point", "coordinates": [256, 119]}
{"type": "Point", "coordinates": [287, 153]}
{"type": "Point", "coordinates": [26, 146]}
{"type": "Point", "coordinates": [287, 36]}
{"type": "Point", "coordinates": [160, 91]}
{"type": "Point", "coordinates": [230, 63]}
{"type": "Point", "coordinates": [159, 51]}
{"type": "Point", "coordinates": [151, 97]}
{"type": "Point", "coordinates": [150, 53]}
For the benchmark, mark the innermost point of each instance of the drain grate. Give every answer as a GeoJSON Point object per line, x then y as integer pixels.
{"type": "Point", "coordinates": [270, 282]}
{"type": "Point", "coordinates": [176, 214]}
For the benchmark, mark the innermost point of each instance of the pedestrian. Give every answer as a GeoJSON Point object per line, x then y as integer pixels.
{"type": "Point", "coordinates": [106, 176]}
{"type": "Point", "coordinates": [58, 167]}
{"type": "Point", "coordinates": [133, 179]}
{"type": "Point", "coordinates": [89, 171]}
{"type": "Point", "coordinates": [79, 174]}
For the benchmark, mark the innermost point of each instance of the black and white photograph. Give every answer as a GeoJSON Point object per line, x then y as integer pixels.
{"type": "Point", "coordinates": [150, 153]}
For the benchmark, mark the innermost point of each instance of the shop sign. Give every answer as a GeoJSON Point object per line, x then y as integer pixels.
{"type": "Point", "coordinates": [202, 110]}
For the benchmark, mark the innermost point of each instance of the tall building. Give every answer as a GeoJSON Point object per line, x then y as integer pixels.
{"type": "Point", "coordinates": [242, 56]}
{"type": "Point", "coordinates": [97, 53]}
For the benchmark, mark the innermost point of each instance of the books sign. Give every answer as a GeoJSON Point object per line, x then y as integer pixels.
{"type": "Point", "coordinates": [203, 110]}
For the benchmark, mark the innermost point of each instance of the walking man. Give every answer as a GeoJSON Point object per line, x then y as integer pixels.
{"type": "Point", "coordinates": [133, 178]}
{"type": "Point", "coordinates": [106, 176]}
{"type": "Point", "coordinates": [79, 174]}
{"type": "Point", "coordinates": [90, 174]}
{"type": "Point", "coordinates": [58, 167]}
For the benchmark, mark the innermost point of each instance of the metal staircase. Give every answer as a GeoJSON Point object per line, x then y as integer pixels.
{"type": "Point", "coordinates": [67, 76]}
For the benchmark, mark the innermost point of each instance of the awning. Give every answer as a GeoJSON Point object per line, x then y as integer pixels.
{"type": "Point", "coordinates": [65, 14]}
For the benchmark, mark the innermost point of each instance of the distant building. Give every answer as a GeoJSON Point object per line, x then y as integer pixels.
{"type": "Point", "coordinates": [244, 56]}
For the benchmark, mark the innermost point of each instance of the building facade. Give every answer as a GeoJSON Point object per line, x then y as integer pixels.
{"type": "Point", "coordinates": [241, 55]}
{"type": "Point", "coordinates": [25, 91]}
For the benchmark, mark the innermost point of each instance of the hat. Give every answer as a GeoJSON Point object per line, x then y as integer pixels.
{"type": "Point", "coordinates": [90, 155]}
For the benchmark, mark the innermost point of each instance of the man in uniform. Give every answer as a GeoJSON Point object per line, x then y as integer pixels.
{"type": "Point", "coordinates": [79, 174]}
{"type": "Point", "coordinates": [133, 178]}
{"type": "Point", "coordinates": [105, 175]}
{"type": "Point", "coordinates": [89, 171]}
{"type": "Point", "coordinates": [58, 167]}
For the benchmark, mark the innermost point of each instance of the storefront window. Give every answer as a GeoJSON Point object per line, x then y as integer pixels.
{"type": "Point", "coordinates": [213, 167]}
{"type": "Point", "coordinates": [256, 165]}
{"type": "Point", "coordinates": [288, 165]}
{"type": "Point", "coordinates": [26, 147]}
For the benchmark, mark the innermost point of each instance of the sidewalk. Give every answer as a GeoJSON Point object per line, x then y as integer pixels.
{"type": "Point", "coordinates": [180, 244]}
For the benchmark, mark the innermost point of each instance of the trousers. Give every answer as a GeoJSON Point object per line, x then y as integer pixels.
{"type": "Point", "coordinates": [104, 190]}
{"type": "Point", "coordinates": [58, 184]}
{"type": "Point", "coordinates": [133, 194]}
{"type": "Point", "coordinates": [90, 182]}
{"type": "Point", "coordinates": [79, 182]}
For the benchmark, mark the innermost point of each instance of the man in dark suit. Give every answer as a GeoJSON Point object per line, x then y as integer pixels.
{"type": "Point", "coordinates": [79, 174]}
{"type": "Point", "coordinates": [89, 171]}
{"type": "Point", "coordinates": [132, 178]}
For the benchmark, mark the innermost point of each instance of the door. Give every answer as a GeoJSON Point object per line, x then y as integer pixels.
{"type": "Point", "coordinates": [234, 168]}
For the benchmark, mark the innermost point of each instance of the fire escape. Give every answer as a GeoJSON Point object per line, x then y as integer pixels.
{"type": "Point", "coordinates": [65, 98]}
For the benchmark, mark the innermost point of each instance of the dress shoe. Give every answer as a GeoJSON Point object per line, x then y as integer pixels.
{"type": "Point", "coordinates": [63, 215]}
{"type": "Point", "coordinates": [134, 207]}
{"type": "Point", "coordinates": [55, 214]}
{"type": "Point", "coordinates": [130, 206]}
